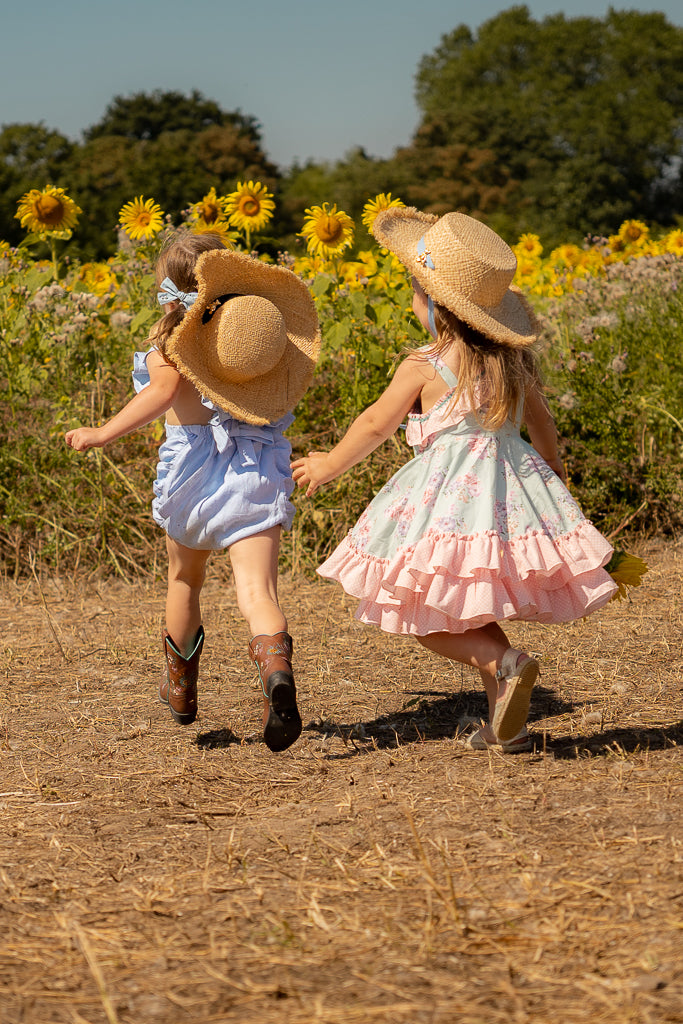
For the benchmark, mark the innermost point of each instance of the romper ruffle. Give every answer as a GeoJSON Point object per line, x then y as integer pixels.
{"type": "Point", "coordinates": [475, 529]}
{"type": "Point", "coordinates": [220, 482]}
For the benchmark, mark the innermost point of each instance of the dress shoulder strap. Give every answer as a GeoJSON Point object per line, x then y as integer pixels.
{"type": "Point", "coordinates": [443, 371]}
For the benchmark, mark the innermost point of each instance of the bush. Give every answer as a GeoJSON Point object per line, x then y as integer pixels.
{"type": "Point", "coordinates": [610, 352]}
{"type": "Point", "coordinates": [612, 355]}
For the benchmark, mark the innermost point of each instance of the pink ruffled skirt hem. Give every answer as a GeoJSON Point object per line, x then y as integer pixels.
{"type": "Point", "coordinates": [448, 582]}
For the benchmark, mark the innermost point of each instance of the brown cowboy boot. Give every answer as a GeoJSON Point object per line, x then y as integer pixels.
{"type": "Point", "coordinates": [272, 656]}
{"type": "Point", "coordinates": [178, 687]}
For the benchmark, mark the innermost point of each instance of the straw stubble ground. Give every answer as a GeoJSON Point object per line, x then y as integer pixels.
{"type": "Point", "coordinates": [377, 871]}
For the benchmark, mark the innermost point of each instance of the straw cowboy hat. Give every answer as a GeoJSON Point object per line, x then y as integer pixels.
{"type": "Point", "coordinates": [251, 340]}
{"type": "Point", "coordinates": [463, 265]}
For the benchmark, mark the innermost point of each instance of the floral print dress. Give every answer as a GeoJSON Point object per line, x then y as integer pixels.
{"type": "Point", "coordinates": [476, 528]}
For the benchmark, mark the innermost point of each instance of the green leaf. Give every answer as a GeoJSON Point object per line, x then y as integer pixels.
{"type": "Point", "coordinates": [357, 303]}
{"type": "Point", "coordinates": [375, 354]}
{"type": "Point", "coordinates": [141, 318]}
{"type": "Point", "coordinates": [322, 285]}
{"type": "Point", "coordinates": [35, 278]}
{"type": "Point", "coordinates": [336, 333]}
{"type": "Point", "coordinates": [383, 312]}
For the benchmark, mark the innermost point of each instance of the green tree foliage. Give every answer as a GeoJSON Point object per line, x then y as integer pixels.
{"type": "Point", "coordinates": [559, 126]}
{"type": "Point", "coordinates": [149, 115]}
{"type": "Point", "coordinates": [161, 144]}
{"type": "Point", "coordinates": [31, 156]}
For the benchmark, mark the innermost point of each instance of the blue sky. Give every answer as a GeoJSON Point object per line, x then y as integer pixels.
{"type": "Point", "coordinates": [321, 76]}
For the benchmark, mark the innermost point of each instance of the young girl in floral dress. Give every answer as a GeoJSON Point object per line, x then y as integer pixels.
{"type": "Point", "coordinates": [478, 528]}
{"type": "Point", "coordinates": [232, 355]}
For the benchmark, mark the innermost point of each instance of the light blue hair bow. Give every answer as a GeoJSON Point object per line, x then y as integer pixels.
{"type": "Point", "coordinates": [172, 294]}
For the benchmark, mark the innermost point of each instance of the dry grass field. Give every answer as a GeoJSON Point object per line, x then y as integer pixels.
{"type": "Point", "coordinates": [379, 870]}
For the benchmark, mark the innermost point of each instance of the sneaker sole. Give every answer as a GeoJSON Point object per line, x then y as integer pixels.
{"type": "Point", "coordinates": [510, 718]}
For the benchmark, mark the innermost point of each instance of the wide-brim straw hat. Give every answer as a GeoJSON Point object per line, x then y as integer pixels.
{"type": "Point", "coordinates": [251, 340]}
{"type": "Point", "coordinates": [463, 265]}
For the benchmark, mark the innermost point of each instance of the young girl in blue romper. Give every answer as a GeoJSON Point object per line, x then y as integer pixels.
{"type": "Point", "coordinates": [478, 528]}
{"type": "Point", "coordinates": [230, 358]}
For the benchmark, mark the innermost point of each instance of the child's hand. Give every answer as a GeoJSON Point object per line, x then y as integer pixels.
{"type": "Point", "coordinates": [312, 472]}
{"type": "Point", "coordinates": [83, 438]}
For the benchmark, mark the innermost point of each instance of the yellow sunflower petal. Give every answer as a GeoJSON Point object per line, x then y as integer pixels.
{"type": "Point", "coordinates": [47, 210]}
{"type": "Point", "coordinates": [633, 231]}
{"type": "Point", "coordinates": [250, 206]}
{"type": "Point", "coordinates": [327, 230]}
{"type": "Point", "coordinates": [383, 201]}
{"type": "Point", "coordinates": [141, 219]}
{"type": "Point", "coordinates": [211, 209]}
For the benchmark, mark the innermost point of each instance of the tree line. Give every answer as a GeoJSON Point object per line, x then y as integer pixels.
{"type": "Point", "coordinates": [562, 127]}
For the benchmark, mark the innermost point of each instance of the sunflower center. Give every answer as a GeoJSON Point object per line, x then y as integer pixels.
{"type": "Point", "coordinates": [143, 218]}
{"type": "Point", "coordinates": [209, 212]}
{"type": "Point", "coordinates": [249, 206]}
{"type": "Point", "coordinates": [329, 230]}
{"type": "Point", "coordinates": [49, 210]}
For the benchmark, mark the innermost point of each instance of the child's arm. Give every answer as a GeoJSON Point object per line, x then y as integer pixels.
{"type": "Point", "coordinates": [148, 404]}
{"type": "Point", "coordinates": [378, 422]}
{"type": "Point", "coordinates": [542, 430]}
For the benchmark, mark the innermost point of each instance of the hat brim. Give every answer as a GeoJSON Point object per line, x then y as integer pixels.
{"type": "Point", "coordinates": [269, 396]}
{"type": "Point", "coordinates": [512, 322]}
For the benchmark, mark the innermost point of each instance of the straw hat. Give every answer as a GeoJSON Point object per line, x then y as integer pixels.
{"type": "Point", "coordinates": [463, 265]}
{"type": "Point", "coordinates": [251, 340]}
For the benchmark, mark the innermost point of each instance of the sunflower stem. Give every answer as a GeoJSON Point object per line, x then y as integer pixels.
{"type": "Point", "coordinates": [55, 262]}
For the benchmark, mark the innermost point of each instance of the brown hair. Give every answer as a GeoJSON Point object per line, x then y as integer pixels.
{"type": "Point", "coordinates": [177, 260]}
{"type": "Point", "coordinates": [492, 375]}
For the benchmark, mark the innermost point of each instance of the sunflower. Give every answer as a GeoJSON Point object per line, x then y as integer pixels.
{"type": "Point", "coordinates": [369, 261]}
{"type": "Point", "coordinates": [353, 274]}
{"type": "Point", "coordinates": [634, 232]}
{"type": "Point", "coordinates": [211, 209]}
{"type": "Point", "coordinates": [97, 278]}
{"type": "Point", "coordinates": [381, 202]}
{"type": "Point", "coordinates": [567, 255]}
{"type": "Point", "coordinates": [309, 267]}
{"type": "Point", "coordinates": [673, 242]}
{"type": "Point", "coordinates": [528, 271]}
{"type": "Point", "coordinates": [219, 227]}
{"type": "Point", "coordinates": [390, 273]}
{"type": "Point", "coordinates": [47, 211]}
{"type": "Point", "coordinates": [528, 246]}
{"type": "Point", "coordinates": [250, 206]}
{"type": "Point", "coordinates": [141, 219]}
{"type": "Point", "coordinates": [327, 230]}
{"type": "Point", "coordinates": [626, 571]}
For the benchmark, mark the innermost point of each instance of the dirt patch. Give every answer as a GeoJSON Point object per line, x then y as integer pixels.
{"type": "Point", "coordinates": [377, 871]}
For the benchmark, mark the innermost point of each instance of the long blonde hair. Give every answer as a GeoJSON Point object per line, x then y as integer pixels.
{"type": "Point", "coordinates": [493, 376]}
{"type": "Point", "coordinates": [177, 260]}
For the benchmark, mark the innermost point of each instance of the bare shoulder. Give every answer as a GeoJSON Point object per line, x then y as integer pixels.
{"type": "Point", "coordinates": [416, 364]}
{"type": "Point", "coordinates": [156, 361]}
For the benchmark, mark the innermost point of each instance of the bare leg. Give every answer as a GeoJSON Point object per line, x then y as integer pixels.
{"type": "Point", "coordinates": [482, 648]}
{"type": "Point", "coordinates": [254, 564]}
{"type": "Point", "coordinates": [186, 572]}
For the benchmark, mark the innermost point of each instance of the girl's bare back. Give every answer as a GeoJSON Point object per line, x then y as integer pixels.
{"type": "Point", "coordinates": [187, 406]}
